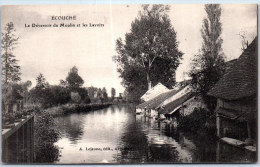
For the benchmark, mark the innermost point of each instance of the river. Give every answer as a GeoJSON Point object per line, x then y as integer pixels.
{"type": "Point", "coordinates": [117, 135]}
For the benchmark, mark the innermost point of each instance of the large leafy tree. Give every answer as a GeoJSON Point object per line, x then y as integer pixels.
{"type": "Point", "coordinates": [150, 52]}
{"type": "Point", "coordinates": [73, 79]}
{"type": "Point", "coordinates": [10, 68]}
{"type": "Point", "coordinates": [41, 93]}
{"type": "Point", "coordinates": [208, 66]}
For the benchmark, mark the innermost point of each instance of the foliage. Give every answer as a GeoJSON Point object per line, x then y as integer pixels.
{"type": "Point", "coordinates": [61, 95]}
{"type": "Point", "coordinates": [209, 65]}
{"type": "Point", "coordinates": [91, 92]}
{"type": "Point", "coordinates": [104, 93]}
{"type": "Point", "coordinates": [45, 134]}
{"type": "Point", "coordinates": [43, 97]}
{"type": "Point", "coordinates": [41, 82]}
{"type": "Point", "coordinates": [10, 68]}
{"type": "Point", "coordinates": [63, 83]}
{"type": "Point", "coordinates": [11, 93]}
{"type": "Point", "coordinates": [73, 79]}
{"type": "Point", "coordinates": [52, 95]}
{"type": "Point", "coordinates": [113, 93]}
{"type": "Point", "coordinates": [83, 92]}
{"type": "Point", "coordinates": [150, 52]}
{"type": "Point", "coordinates": [75, 97]}
{"type": "Point", "coordinates": [41, 93]}
{"type": "Point", "coordinates": [25, 90]}
{"type": "Point", "coordinates": [8, 118]}
{"type": "Point", "coordinates": [199, 120]}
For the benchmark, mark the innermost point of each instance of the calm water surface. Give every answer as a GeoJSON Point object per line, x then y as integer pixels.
{"type": "Point", "coordinates": [117, 135]}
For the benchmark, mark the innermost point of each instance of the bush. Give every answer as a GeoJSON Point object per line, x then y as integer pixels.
{"type": "Point", "coordinates": [199, 120]}
{"type": "Point", "coordinates": [75, 97]}
{"type": "Point", "coordinates": [46, 135]}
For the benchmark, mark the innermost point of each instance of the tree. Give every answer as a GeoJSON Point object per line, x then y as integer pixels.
{"type": "Point", "coordinates": [41, 93]}
{"type": "Point", "coordinates": [25, 90]}
{"type": "Point", "coordinates": [75, 97]}
{"type": "Point", "coordinates": [73, 79]}
{"type": "Point", "coordinates": [99, 93]}
{"type": "Point", "coordinates": [104, 92]}
{"type": "Point", "coordinates": [113, 93]}
{"type": "Point", "coordinates": [10, 68]}
{"type": "Point", "coordinates": [63, 83]}
{"type": "Point", "coordinates": [61, 95]}
{"type": "Point", "coordinates": [209, 65]}
{"type": "Point", "coordinates": [91, 92]}
{"type": "Point", "coordinates": [150, 50]}
{"type": "Point", "coordinates": [41, 82]}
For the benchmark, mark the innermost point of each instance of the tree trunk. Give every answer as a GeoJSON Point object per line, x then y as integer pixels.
{"type": "Point", "coordinates": [149, 81]}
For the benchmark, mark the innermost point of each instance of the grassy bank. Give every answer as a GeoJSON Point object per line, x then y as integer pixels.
{"type": "Point", "coordinates": [73, 108]}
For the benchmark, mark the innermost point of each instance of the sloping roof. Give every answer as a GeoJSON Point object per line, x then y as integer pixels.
{"type": "Point", "coordinates": [241, 79]}
{"type": "Point", "coordinates": [154, 91]}
{"type": "Point", "coordinates": [174, 104]}
{"type": "Point", "coordinates": [153, 103]}
{"type": "Point", "coordinates": [182, 91]}
{"type": "Point", "coordinates": [235, 115]}
{"type": "Point", "coordinates": [229, 64]}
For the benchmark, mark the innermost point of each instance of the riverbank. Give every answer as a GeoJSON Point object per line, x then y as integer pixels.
{"type": "Point", "coordinates": [72, 108]}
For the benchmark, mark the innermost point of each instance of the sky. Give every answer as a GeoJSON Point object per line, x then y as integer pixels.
{"type": "Point", "coordinates": [52, 51]}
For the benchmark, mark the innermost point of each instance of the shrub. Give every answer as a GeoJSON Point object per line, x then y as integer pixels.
{"type": "Point", "coordinates": [199, 120]}
{"type": "Point", "coordinates": [46, 134]}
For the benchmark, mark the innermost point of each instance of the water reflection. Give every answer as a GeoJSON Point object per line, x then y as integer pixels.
{"type": "Point", "coordinates": [117, 135]}
{"type": "Point", "coordinates": [71, 126]}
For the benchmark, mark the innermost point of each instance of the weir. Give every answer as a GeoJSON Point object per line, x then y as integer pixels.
{"type": "Point", "coordinates": [18, 142]}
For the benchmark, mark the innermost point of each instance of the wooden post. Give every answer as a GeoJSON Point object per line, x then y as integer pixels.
{"type": "Point", "coordinates": [249, 135]}
{"type": "Point", "coordinates": [218, 151]}
{"type": "Point", "coordinates": [32, 139]}
{"type": "Point", "coordinates": [5, 151]}
{"type": "Point", "coordinates": [28, 141]}
{"type": "Point", "coordinates": [218, 122]}
{"type": "Point", "coordinates": [23, 155]}
{"type": "Point", "coordinates": [17, 145]}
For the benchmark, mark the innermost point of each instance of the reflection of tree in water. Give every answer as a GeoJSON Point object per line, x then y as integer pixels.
{"type": "Point", "coordinates": [135, 147]}
{"type": "Point", "coordinates": [113, 108]}
{"type": "Point", "coordinates": [46, 135]}
{"type": "Point", "coordinates": [71, 125]}
{"type": "Point", "coordinates": [120, 107]}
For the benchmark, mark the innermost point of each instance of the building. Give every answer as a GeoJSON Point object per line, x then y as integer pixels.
{"type": "Point", "coordinates": [149, 107]}
{"type": "Point", "coordinates": [182, 103]}
{"type": "Point", "coordinates": [168, 101]}
{"type": "Point", "coordinates": [154, 91]}
{"type": "Point", "coordinates": [236, 93]}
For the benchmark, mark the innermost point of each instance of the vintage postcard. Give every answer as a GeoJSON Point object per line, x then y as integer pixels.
{"type": "Point", "coordinates": [129, 84]}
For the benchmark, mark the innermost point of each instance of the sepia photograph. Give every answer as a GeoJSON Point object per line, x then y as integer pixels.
{"type": "Point", "coordinates": [129, 84]}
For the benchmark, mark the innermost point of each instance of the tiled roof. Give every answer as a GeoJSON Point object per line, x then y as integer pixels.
{"type": "Point", "coordinates": [173, 105]}
{"type": "Point", "coordinates": [241, 79]}
{"type": "Point", "coordinates": [153, 103]}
